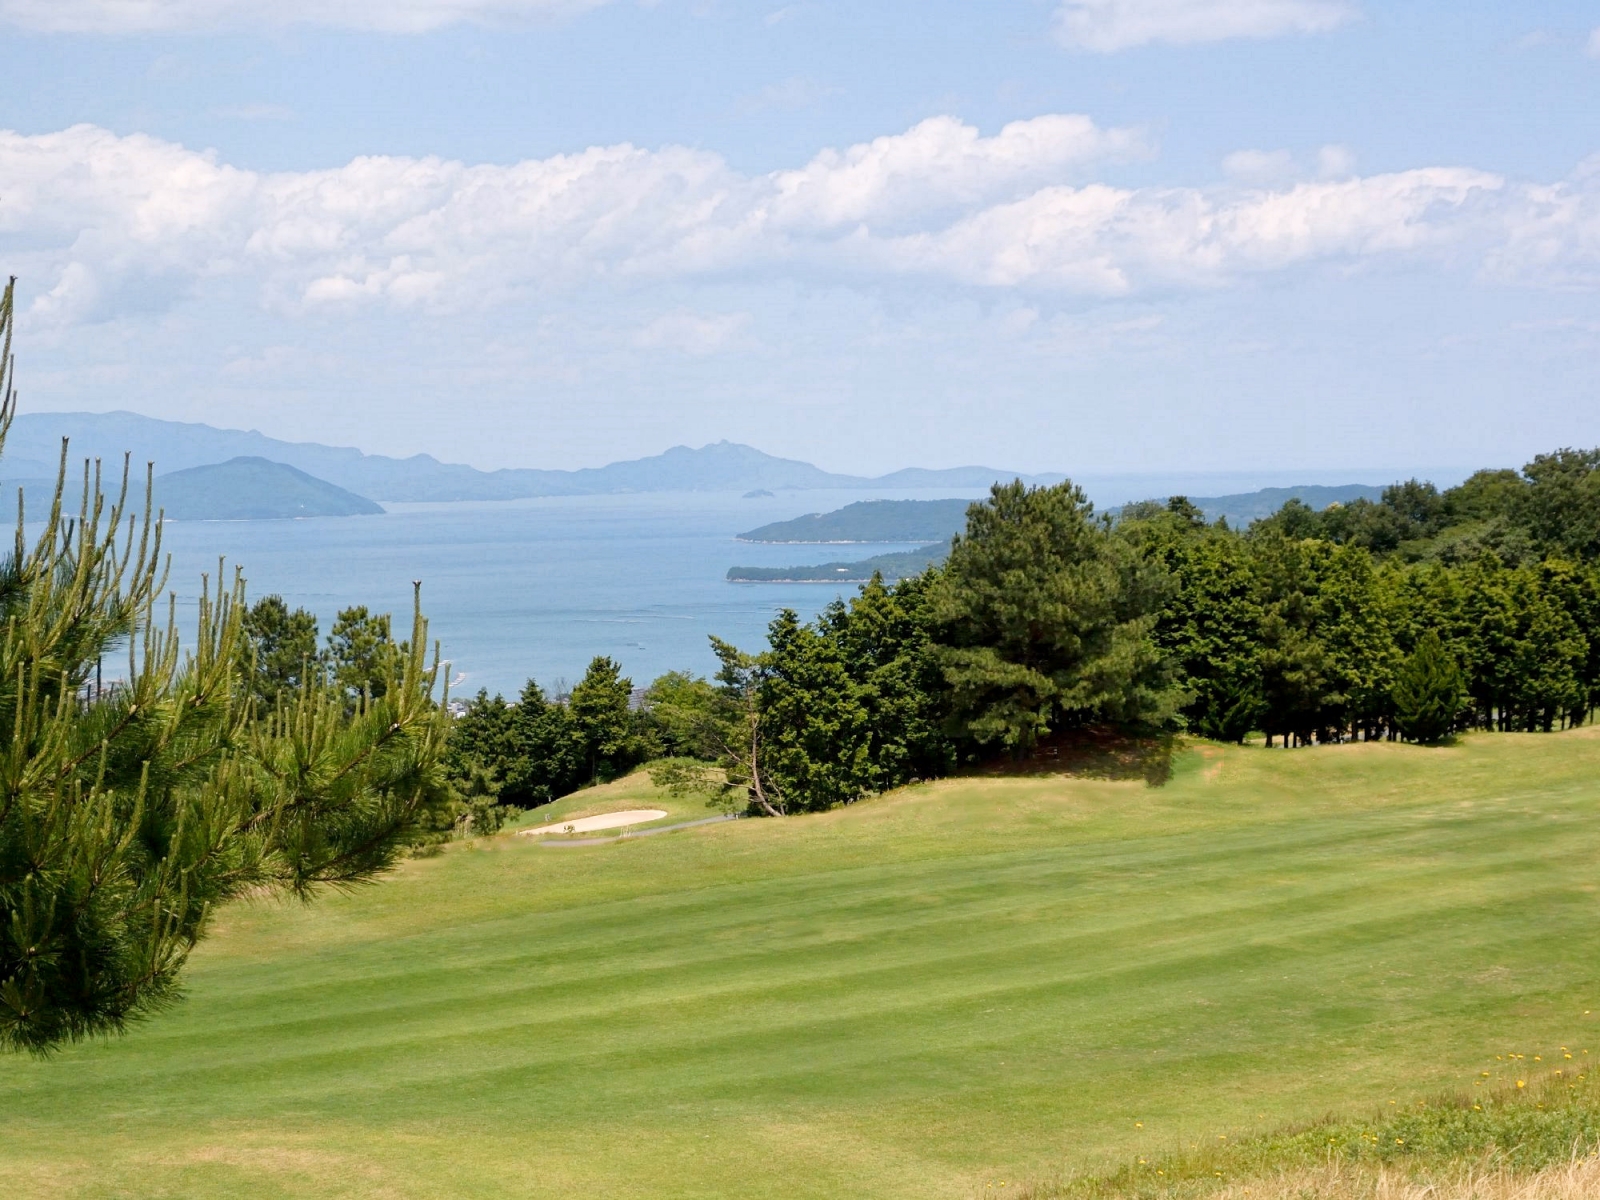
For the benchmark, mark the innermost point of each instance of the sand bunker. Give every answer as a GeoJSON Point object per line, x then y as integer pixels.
{"type": "Point", "coordinates": [634, 816]}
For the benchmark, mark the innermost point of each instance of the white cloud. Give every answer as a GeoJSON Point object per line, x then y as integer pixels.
{"type": "Point", "coordinates": [98, 224]}
{"type": "Point", "coordinates": [164, 16]}
{"type": "Point", "coordinates": [1593, 47]}
{"type": "Point", "coordinates": [942, 162]}
{"type": "Point", "coordinates": [1111, 25]}
{"type": "Point", "coordinates": [1115, 241]}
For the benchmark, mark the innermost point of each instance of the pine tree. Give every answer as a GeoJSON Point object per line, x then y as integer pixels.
{"type": "Point", "coordinates": [1044, 620]}
{"type": "Point", "coordinates": [128, 814]}
{"type": "Point", "coordinates": [599, 710]}
{"type": "Point", "coordinates": [1428, 691]}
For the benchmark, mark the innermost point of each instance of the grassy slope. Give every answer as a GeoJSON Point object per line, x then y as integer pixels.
{"type": "Point", "coordinates": [962, 983]}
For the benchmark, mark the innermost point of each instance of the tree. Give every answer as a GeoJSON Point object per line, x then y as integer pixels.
{"type": "Point", "coordinates": [817, 732]}
{"type": "Point", "coordinates": [544, 758]}
{"type": "Point", "coordinates": [279, 650]}
{"type": "Point", "coordinates": [1561, 504]}
{"type": "Point", "coordinates": [128, 816]}
{"type": "Point", "coordinates": [600, 720]}
{"type": "Point", "coordinates": [362, 654]}
{"type": "Point", "coordinates": [1428, 690]}
{"type": "Point", "coordinates": [721, 725]}
{"type": "Point", "coordinates": [882, 639]}
{"type": "Point", "coordinates": [1044, 621]}
{"type": "Point", "coordinates": [530, 749]}
{"type": "Point", "coordinates": [1210, 626]}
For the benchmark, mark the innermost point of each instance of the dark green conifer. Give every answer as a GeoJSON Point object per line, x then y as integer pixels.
{"type": "Point", "coordinates": [1428, 691]}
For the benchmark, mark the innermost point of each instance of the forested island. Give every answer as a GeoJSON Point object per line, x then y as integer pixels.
{"type": "Point", "coordinates": [889, 567]}
{"type": "Point", "coordinates": [869, 521]}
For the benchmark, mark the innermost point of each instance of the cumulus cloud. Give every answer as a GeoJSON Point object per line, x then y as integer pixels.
{"type": "Point", "coordinates": [939, 163]}
{"type": "Point", "coordinates": [1110, 25]}
{"type": "Point", "coordinates": [1113, 241]}
{"type": "Point", "coordinates": [170, 16]}
{"type": "Point", "coordinates": [98, 222]}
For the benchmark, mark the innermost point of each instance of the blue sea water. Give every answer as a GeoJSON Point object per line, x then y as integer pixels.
{"type": "Point", "coordinates": [536, 588]}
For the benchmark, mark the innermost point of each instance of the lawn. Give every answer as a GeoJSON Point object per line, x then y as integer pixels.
{"type": "Point", "coordinates": [975, 981]}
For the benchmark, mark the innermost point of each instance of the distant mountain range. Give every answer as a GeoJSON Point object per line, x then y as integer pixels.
{"type": "Point", "coordinates": [34, 446]}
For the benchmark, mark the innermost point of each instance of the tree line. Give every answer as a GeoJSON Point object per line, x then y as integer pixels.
{"type": "Point", "coordinates": [1420, 614]}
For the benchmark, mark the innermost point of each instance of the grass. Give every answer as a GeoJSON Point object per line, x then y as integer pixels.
{"type": "Point", "coordinates": [980, 981]}
{"type": "Point", "coordinates": [1514, 1126]}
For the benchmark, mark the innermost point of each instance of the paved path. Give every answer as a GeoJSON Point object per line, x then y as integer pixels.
{"type": "Point", "coordinates": [603, 841]}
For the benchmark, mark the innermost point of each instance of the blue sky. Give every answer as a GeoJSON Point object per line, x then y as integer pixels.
{"type": "Point", "coordinates": [1080, 235]}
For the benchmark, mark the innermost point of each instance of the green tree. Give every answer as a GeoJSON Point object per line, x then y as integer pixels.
{"type": "Point", "coordinates": [1210, 626]}
{"type": "Point", "coordinates": [817, 733]}
{"type": "Point", "coordinates": [545, 759]}
{"type": "Point", "coordinates": [1044, 621]}
{"type": "Point", "coordinates": [1428, 690]}
{"type": "Point", "coordinates": [723, 724]}
{"type": "Point", "coordinates": [601, 721]}
{"type": "Point", "coordinates": [362, 653]}
{"type": "Point", "coordinates": [279, 649]}
{"type": "Point", "coordinates": [530, 749]}
{"type": "Point", "coordinates": [883, 641]}
{"type": "Point", "coordinates": [127, 817]}
{"type": "Point", "coordinates": [1561, 504]}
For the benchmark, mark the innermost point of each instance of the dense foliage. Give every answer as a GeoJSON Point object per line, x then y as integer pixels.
{"type": "Point", "coordinates": [538, 749]}
{"type": "Point", "coordinates": [129, 812]}
{"type": "Point", "coordinates": [1414, 616]}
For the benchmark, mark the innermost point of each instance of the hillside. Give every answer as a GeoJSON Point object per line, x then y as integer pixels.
{"type": "Point", "coordinates": [963, 984]}
{"type": "Point", "coordinates": [1244, 507]}
{"type": "Point", "coordinates": [870, 521]}
{"type": "Point", "coordinates": [253, 489]}
{"type": "Point", "coordinates": [34, 446]}
{"type": "Point", "coordinates": [890, 566]}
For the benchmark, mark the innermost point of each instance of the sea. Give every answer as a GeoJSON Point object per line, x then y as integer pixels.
{"type": "Point", "coordinates": [535, 589]}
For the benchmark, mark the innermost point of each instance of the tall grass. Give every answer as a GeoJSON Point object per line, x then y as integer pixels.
{"type": "Point", "coordinates": [1518, 1136]}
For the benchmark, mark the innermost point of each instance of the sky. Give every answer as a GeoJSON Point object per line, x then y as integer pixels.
{"type": "Point", "coordinates": [1089, 236]}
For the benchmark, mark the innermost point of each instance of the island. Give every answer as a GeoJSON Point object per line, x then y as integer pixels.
{"type": "Point", "coordinates": [254, 489]}
{"type": "Point", "coordinates": [870, 521]}
{"type": "Point", "coordinates": [890, 566]}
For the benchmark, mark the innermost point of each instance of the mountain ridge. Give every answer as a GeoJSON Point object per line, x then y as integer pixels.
{"type": "Point", "coordinates": [33, 448]}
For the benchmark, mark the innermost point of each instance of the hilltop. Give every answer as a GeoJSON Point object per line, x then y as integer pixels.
{"type": "Point", "coordinates": [254, 489]}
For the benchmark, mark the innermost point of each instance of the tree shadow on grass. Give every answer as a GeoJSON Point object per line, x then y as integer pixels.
{"type": "Point", "coordinates": [1096, 753]}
